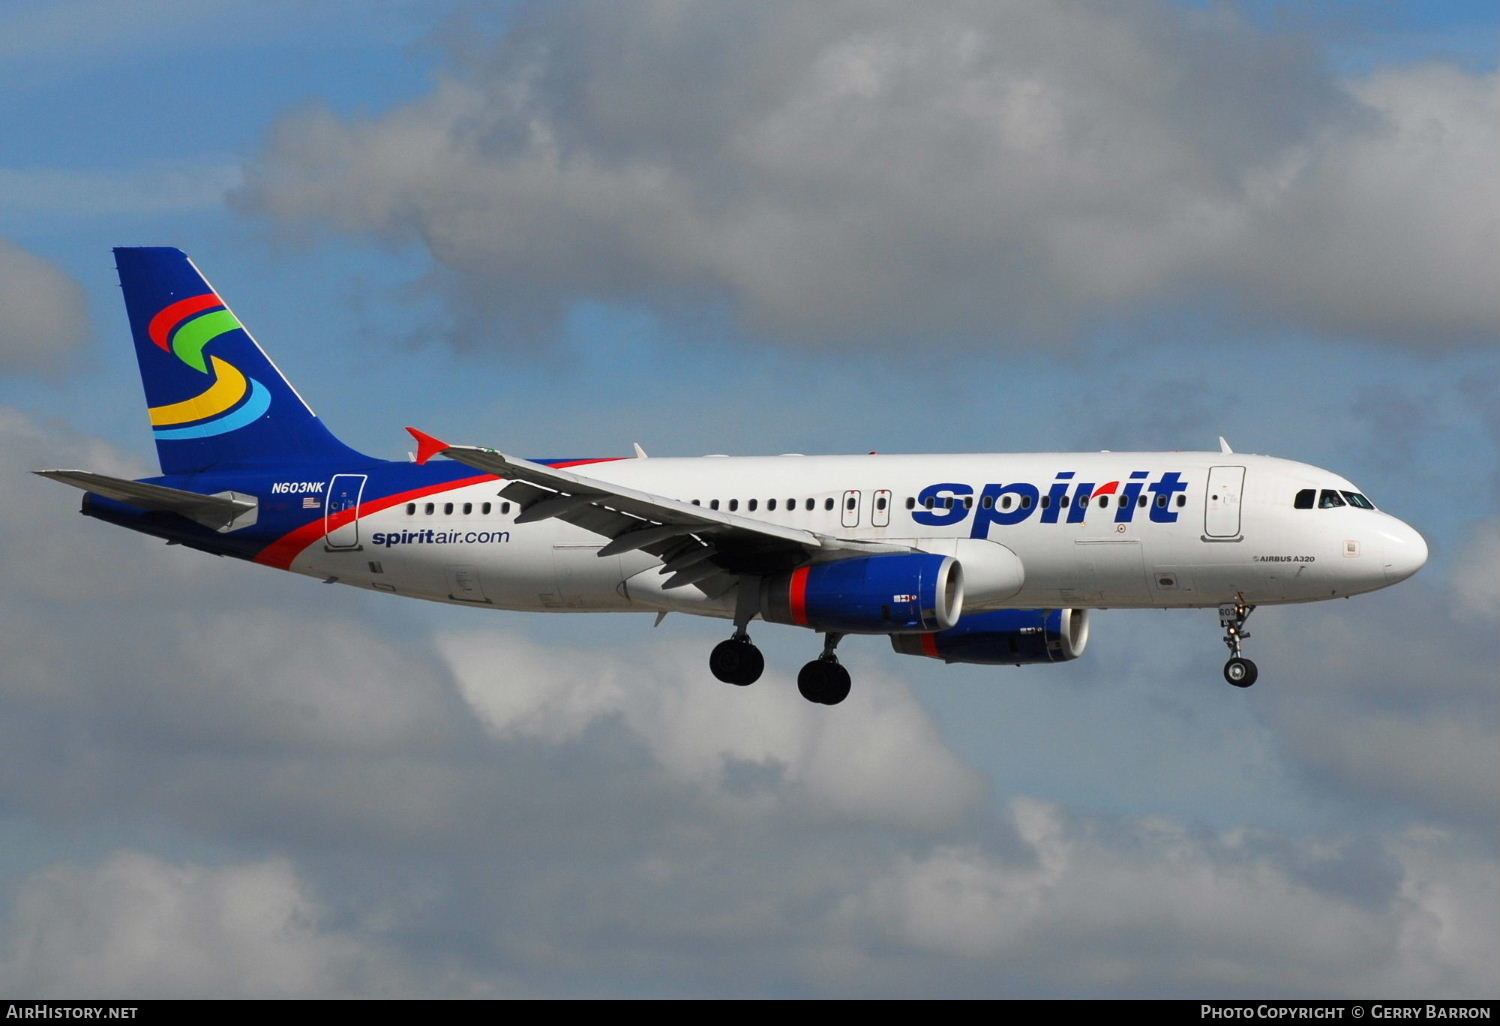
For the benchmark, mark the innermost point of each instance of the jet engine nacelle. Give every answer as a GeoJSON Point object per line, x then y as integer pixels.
{"type": "Point", "coordinates": [901, 592]}
{"type": "Point", "coordinates": [1004, 637]}
{"type": "Point", "coordinates": [992, 572]}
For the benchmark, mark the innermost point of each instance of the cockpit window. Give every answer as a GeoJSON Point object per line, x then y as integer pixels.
{"type": "Point", "coordinates": [1330, 498]}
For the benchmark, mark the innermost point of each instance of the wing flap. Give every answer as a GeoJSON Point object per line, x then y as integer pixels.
{"type": "Point", "coordinates": [670, 529]}
{"type": "Point", "coordinates": [642, 505]}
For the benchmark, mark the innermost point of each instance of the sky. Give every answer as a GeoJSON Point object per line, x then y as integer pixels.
{"type": "Point", "coordinates": [560, 228]}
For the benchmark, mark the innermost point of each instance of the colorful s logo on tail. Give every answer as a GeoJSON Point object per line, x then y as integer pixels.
{"type": "Point", "coordinates": [233, 400]}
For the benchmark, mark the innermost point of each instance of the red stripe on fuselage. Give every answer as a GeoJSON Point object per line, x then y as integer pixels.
{"type": "Point", "coordinates": [797, 596]}
{"type": "Point", "coordinates": [284, 550]}
{"type": "Point", "coordinates": [281, 552]}
{"type": "Point", "coordinates": [162, 324]}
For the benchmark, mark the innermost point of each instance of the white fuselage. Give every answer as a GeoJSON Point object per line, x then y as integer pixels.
{"type": "Point", "coordinates": [1175, 530]}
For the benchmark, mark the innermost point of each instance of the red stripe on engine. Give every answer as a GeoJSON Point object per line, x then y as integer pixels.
{"type": "Point", "coordinates": [930, 646]}
{"type": "Point", "coordinates": [797, 596]}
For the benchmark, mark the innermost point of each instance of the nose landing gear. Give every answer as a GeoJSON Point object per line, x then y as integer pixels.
{"type": "Point", "coordinates": [1239, 671]}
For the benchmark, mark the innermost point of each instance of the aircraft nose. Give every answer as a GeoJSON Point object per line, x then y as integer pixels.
{"type": "Point", "coordinates": [1403, 551]}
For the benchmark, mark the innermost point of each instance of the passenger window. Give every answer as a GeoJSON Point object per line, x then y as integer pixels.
{"type": "Point", "coordinates": [1304, 499]}
{"type": "Point", "coordinates": [928, 503]}
{"type": "Point", "coordinates": [468, 508]}
{"type": "Point", "coordinates": [828, 504]}
{"type": "Point", "coordinates": [911, 503]}
{"type": "Point", "coordinates": [447, 509]}
{"type": "Point", "coordinates": [880, 503]}
{"type": "Point", "coordinates": [505, 508]}
{"type": "Point", "coordinates": [411, 508]}
{"type": "Point", "coordinates": [734, 505]}
{"type": "Point", "coordinates": [1103, 501]}
{"type": "Point", "coordinates": [1181, 500]}
{"type": "Point", "coordinates": [1005, 502]}
{"type": "Point", "coordinates": [1141, 502]}
{"type": "Point", "coordinates": [1329, 499]}
{"type": "Point", "coordinates": [1025, 502]}
{"type": "Point", "coordinates": [485, 509]}
{"type": "Point", "coordinates": [427, 509]}
{"type": "Point", "coordinates": [1046, 501]}
{"type": "Point", "coordinates": [713, 503]}
{"type": "Point", "coordinates": [968, 502]}
{"type": "Point", "coordinates": [751, 505]}
{"type": "Point", "coordinates": [849, 502]}
{"type": "Point", "coordinates": [1161, 502]}
{"type": "Point", "coordinates": [1123, 500]}
{"type": "Point", "coordinates": [1064, 502]}
{"type": "Point", "coordinates": [771, 505]}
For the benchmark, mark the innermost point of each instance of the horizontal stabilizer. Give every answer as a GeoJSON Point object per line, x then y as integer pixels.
{"type": "Point", "coordinates": [225, 511]}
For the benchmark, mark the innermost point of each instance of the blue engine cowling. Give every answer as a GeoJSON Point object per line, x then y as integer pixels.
{"type": "Point", "coordinates": [1005, 637]}
{"type": "Point", "coordinates": [900, 592]}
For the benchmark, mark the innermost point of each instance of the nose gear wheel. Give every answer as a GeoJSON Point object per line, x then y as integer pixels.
{"type": "Point", "coordinates": [1239, 671]}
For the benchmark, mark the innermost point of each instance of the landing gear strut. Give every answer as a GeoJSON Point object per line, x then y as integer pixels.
{"type": "Point", "coordinates": [737, 661]}
{"type": "Point", "coordinates": [824, 680]}
{"type": "Point", "coordinates": [1238, 671]}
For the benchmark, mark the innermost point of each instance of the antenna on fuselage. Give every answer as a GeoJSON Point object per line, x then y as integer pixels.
{"type": "Point", "coordinates": [1224, 446]}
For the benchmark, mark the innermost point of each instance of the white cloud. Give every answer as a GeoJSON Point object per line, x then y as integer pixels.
{"type": "Point", "coordinates": [875, 171]}
{"type": "Point", "coordinates": [1389, 225]}
{"type": "Point", "coordinates": [43, 316]}
{"type": "Point", "coordinates": [135, 926]}
{"type": "Point", "coordinates": [1476, 578]}
{"type": "Point", "coordinates": [877, 757]}
{"type": "Point", "coordinates": [1406, 722]}
{"type": "Point", "coordinates": [1238, 913]}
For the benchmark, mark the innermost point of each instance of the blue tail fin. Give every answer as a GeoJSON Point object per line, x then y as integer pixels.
{"type": "Point", "coordinates": [216, 401]}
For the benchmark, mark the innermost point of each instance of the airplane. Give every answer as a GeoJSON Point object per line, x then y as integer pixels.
{"type": "Point", "coordinates": [992, 559]}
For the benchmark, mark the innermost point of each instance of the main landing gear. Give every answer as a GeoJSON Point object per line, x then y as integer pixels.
{"type": "Point", "coordinates": [824, 681]}
{"type": "Point", "coordinates": [1238, 671]}
{"type": "Point", "coordinates": [737, 661]}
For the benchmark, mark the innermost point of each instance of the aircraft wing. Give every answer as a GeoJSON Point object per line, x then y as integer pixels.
{"type": "Point", "coordinates": [223, 512]}
{"type": "Point", "coordinates": [700, 546]}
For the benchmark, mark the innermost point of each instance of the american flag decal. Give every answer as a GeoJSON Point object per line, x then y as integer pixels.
{"type": "Point", "coordinates": [310, 502]}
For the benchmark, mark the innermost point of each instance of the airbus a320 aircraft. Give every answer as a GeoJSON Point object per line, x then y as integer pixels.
{"type": "Point", "coordinates": [993, 559]}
